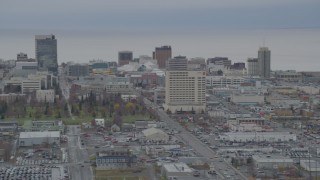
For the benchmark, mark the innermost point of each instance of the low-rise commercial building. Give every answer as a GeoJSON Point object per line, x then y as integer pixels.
{"type": "Point", "coordinates": [115, 159]}
{"type": "Point", "coordinates": [280, 100]}
{"type": "Point", "coordinates": [99, 122]}
{"type": "Point", "coordinates": [258, 136]}
{"type": "Point", "coordinates": [247, 99]}
{"type": "Point", "coordinates": [11, 97]}
{"type": "Point", "coordinates": [310, 165]}
{"type": "Point", "coordinates": [45, 95]}
{"type": "Point", "coordinates": [8, 126]}
{"type": "Point", "coordinates": [223, 81]}
{"type": "Point", "coordinates": [37, 126]}
{"type": "Point", "coordinates": [290, 75]}
{"type": "Point", "coordinates": [109, 84]}
{"type": "Point", "coordinates": [176, 170]}
{"type": "Point", "coordinates": [39, 138]}
{"type": "Point", "coordinates": [272, 161]}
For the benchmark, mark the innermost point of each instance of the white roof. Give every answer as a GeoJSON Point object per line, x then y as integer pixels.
{"type": "Point", "coordinates": [272, 159]}
{"type": "Point", "coordinates": [257, 133]}
{"type": "Point", "coordinates": [177, 167]}
{"type": "Point", "coordinates": [40, 134]}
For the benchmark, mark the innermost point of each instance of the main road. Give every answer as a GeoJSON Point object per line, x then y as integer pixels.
{"type": "Point", "coordinates": [78, 156]}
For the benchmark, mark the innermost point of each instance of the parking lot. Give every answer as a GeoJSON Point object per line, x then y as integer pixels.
{"type": "Point", "coordinates": [39, 156]}
{"type": "Point", "coordinates": [30, 173]}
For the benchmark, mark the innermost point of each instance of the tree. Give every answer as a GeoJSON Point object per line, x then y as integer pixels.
{"type": "Point", "coordinates": [116, 106]}
{"type": "Point", "coordinates": [72, 109]}
{"type": "Point", "coordinates": [58, 115]}
{"type": "Point", "coordinates": [80, 106]}
{"type": "Point", "coordinates": [117, 120]}
{"type": "Point", "coordinates": [66, 107]}
{"type": "Point", "coordinates": [130, 107]}
{"type": "Point", "coordinates": [46, 111]}
{"type": "Point", "coordinates": [94, 114]}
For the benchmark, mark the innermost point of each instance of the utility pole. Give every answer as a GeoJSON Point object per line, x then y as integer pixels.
{"type": "Point", "coordinates": [309, 166]}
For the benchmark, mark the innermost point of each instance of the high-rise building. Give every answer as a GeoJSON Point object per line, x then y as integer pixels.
{"type": "Point", "coordinates": [185, 88]}
{"type": "Point", "coordinates": [22, 57]}
{"type": "Point", "coordinates": [77, 69]}
{"type": "Point", "coordinates": [177, 63]}
{"type": "Point", "coordinates": [264, 61]}
{"type": "Point", "coordinates": [46, 53]}
{"type": "Point", "coordinates": [219, 61]}
{"type": "Point", "coordinates": [124, 57]}
{"type": "Point", "coordinates": [253, 67]}
{"type": "Point", "coordinates": [162, 54]}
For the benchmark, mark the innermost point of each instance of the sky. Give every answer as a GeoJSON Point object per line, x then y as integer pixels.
{"type": "Point", "coordinates": [98, 29]}
{"type": "Point", "coordinates": [158, 14]}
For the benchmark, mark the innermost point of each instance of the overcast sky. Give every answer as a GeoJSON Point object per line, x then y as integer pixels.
{"type": "Point", "coordinates": [158, 14]}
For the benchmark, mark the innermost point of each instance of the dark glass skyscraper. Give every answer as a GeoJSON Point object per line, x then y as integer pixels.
{"type": "Point", "coordinates": [124, 57]}
{"type": "Point", "coordinates": [264, 62]}
{"type": "Point", "coordinates": [46, 53]}
{"type": "Point", "coordinates": [162, 54]}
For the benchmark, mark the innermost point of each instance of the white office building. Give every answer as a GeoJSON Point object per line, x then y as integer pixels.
{"type": "Point", "coordinates": [185, 89]}
{"type": "Point", "coordinates": [253, 67]}
{"type": "Point", "coordinates": [45, 95]}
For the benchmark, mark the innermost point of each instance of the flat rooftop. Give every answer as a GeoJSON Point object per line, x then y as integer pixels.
{"type": "Point", "coordinates": [177, 167]}
{"type": "Point", "coordinates": [40, 134]}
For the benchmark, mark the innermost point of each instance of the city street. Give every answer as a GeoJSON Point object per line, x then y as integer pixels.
{"type": "Point", "coordinates": [78, 156]}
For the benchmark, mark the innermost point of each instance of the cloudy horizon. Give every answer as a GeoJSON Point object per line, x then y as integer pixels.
{"type": "Point", "coordinates": [98, 29]}
{"type": "Point", "coordinates": [166, 14]}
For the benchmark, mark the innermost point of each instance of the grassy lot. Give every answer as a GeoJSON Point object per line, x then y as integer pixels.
{"type": "Point", "coordinates": [117, 175]}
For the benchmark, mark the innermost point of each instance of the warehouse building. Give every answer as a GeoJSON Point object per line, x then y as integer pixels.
{"type": "Point", "coordinates": [310, 165]}
{"type": "Point", "coordinates": [38, 138]}
{"type": "Point", "coordinates": [176, 171]}
{"type": "Point", "coordinates": [267, 161]}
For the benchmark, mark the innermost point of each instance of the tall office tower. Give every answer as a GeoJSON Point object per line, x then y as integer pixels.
{"type": "Point", "coordinates": [46, 53]}
{"type": "Point", "coordinates": [253, 67]}
{"type": "Point", "coordinates": [124, 57]}
{"type": "Point", "coordinates": [264, 56]}
{"type": "Point", "coordinates": [162, 54]}
{"type": "Point", "coordinates": [185, 88]}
